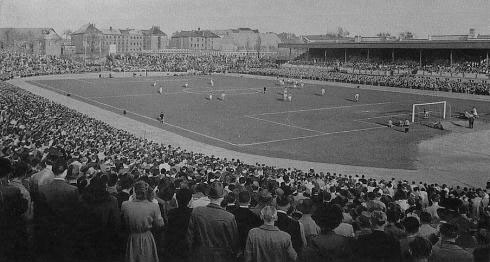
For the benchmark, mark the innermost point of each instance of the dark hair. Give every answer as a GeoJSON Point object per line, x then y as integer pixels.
{"type": "Point", "coordinates": [59, 167]}
{"type": "Point", "coordinates": [282, 201]}
{"type": "Point", "coordinates": [328, 217]}
{"type": "Point", "coordinates": [420, 247]}
{"type": "Point", "coordinates": [5, 167]}
{"type": "Point", "coordinates": [21, 169]}
{"type": "Point", "coordinates": [216, 190]}
{"type": "Point", "coordinates": [306, 206]}
{"type": "Point", "coordinates": [96, 192]}
{"type": "Point", "coordinates": [411, 225]}
{"type": "Point", "coordinates": [449, 230]}
{"type": "Point", "coordinates": [425, 217]}
{"type": "Point", "coordinates": [244, 197]}
{"type": "Point", "coordinates": [183, 196]}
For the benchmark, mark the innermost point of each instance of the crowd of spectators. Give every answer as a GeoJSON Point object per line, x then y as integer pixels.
{"type": "Point", "coordinates": [462, 67]}
{"type": "Point", "coordinates": [479, 87]}
{"type": "Point", "coordinates": [73, 188]}
{"type": "Point", "coordinates": [206, 63]}
{"type": "Point", "coordinates": [17, 64]}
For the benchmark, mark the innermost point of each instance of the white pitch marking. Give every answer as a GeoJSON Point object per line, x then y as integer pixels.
{"type": "Point", "coordinates": [142, 116]}
{"type": "Point", "coordinates": [303, 137]}
{"type": "Point", "coordinates": [84, 81]}
{"type": "Point", "coordinates": [283, 124]}
{"type": "Point", "coordinates": [319, 109]}
{"type": "Point", "coordinates": [169, 93]}
{"type": "Point", "coordinates": [381, 116]}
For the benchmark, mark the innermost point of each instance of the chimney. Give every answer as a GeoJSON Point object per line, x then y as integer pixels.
{"type": "Point", "coordinates": [110, 28]}
{"type": "Point", "coordinates": [198, 29]}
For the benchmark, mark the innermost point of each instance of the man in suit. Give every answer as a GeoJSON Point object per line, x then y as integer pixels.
{"type": "Point", "coordinates": [289, 225]}
{"type": "Point", "coordinates": [245, 218]}
{"type": "Point", "coordinates": [213, 232]}
{"type": "Point", "coordinates": [378, 246]}
{"type": "Point", "coordinates": [176, 229]}
{"type": "Point", "coordinates": [125, 184]}
{"type": "Point", "coordinates": [58, 205]}
{"type": "Point", "coordinates": [13, 205]}
{"type": "Point", "coordinates": [267, 242]}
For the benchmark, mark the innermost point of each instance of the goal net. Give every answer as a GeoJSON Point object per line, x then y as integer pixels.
{"type": "Point", "coordinates": [429, 112]}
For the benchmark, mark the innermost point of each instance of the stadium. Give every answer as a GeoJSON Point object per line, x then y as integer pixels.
{"type": "Point", "coordinates": [236, 145]}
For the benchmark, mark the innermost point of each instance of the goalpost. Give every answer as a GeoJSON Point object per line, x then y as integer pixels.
{"type": "Point", "coordinates": [429, 111]}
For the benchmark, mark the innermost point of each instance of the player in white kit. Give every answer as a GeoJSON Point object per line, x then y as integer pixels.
{"type": "Point", "coordinates": [356, 97]}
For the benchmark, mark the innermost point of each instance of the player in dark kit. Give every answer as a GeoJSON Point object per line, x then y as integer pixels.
{"type": "Point", "coordinates": [162, 117]}
{"type": "Point", "coordinates": [265, 89]}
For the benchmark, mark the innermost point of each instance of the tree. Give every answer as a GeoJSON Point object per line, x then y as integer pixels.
{"type": "Point", "coordinates": [258, 44]}
{"type": "Point", "coordinates": [406, 35]}
{"type": "Point", "coordinates": [341, 32]}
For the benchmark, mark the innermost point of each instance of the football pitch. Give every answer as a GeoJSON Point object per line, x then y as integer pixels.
{"type": "Point", "coordinates": [330, 128]}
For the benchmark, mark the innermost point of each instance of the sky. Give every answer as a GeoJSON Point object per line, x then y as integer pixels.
{"type": "Point", "coordinates": [359, 17]}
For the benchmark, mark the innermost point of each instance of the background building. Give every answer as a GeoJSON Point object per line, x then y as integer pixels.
{"type": "Point", "coordinates": [194, 40]}
{"type": "Point", "coordinates": [88, 40]}
{"type": "Point", "coordinates": [154, 39]}
{"type": "Point", "coordinates": [246, 39]}
{"type": "Point", "coordinates": [41, 41]}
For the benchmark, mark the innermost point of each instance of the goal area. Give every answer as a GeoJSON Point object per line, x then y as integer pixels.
{"type": "Point", "coordinates": [429, 112]}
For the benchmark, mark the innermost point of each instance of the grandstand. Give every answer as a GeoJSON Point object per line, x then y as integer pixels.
{"type": "Point", "coordinates": [98, 133]}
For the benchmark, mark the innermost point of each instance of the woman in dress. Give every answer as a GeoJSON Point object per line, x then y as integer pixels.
{"type": "Point", "coordinates": [140, 216]}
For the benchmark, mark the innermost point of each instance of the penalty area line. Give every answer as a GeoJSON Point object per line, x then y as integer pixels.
{"type": "Point", "coordinates": [311, 136]}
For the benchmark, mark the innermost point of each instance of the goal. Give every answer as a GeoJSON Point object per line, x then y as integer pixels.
{"type": "Point", "coordinates": [433, 111]}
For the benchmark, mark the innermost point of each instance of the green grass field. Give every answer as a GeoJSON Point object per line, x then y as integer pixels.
{"type": "Point", "coordinates": [330, 128]}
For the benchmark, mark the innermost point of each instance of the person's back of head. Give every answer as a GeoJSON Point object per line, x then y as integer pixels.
{"type": "Point", "coordinates": [59, 167]}
{"type": "Point", "coordinates": [425, 218]}
{"type": "Point", "coordinates": [183, 197]}
{"type": "Point", "coordinates": [216, 191]}
{"type": "Point", "coordinates": [282, 202]}
{"type": "Point", "coordinates": [420, 248]}
{"type": "Point", "coordinates": [378, 219]}
{"type": "Point", "coordinates": [141, 190]}
{"type": "Point", "coordinates": [328, 217]}
{"type": "Point", "coordinates": [411, 225]}
{"type": "Point", "coordinates": [5, 167]}
{"type": "Point", "coordinates": [449, 232]}
{"type": "Point", "coordinates": [268, 214]}
{"type": "Point", "coordinates": [244, 198]}
{"type": "Point", "coordinates": [306, 206]}
{"type": "Point", "coordinates": [21, 169]}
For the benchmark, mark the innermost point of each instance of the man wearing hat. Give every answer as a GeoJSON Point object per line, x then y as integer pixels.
{"type": "Point", "coordinates": [447, 249]}
{"type": "Point", "coordinates": [289, 225]}
{"type": "Point", "coordinates": [58, 203]}
{"type": "Point", "coordinates": [213, 232]}
{"type": "Point", "coordinates": [378, 246]}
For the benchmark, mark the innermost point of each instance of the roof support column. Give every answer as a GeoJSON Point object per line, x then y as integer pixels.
{"type": "Point", "coordinates": [368, 54]}
{"type": "Point", "coordinates": [420, 57]}
{"type": "Point", "coordinates": [307, 54]}
{"type": "Point", "coordinates": [487, 59]}
{"type": "Point", "coordinates": [289, 54]}
{"type": "Point", "coordinates": [345, 55]}
{"type": "Point", "coordinates": [325, 55]}
{"type": "Point", "coordinates": [393, 55]}
{"type": "Point", "coordinates": [451, 57]}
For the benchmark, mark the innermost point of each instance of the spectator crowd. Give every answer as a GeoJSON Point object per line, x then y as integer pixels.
{"type": "Point", "coordinates": [478, 87]}
{"type": "Point", "coordinates": [73, 188]}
